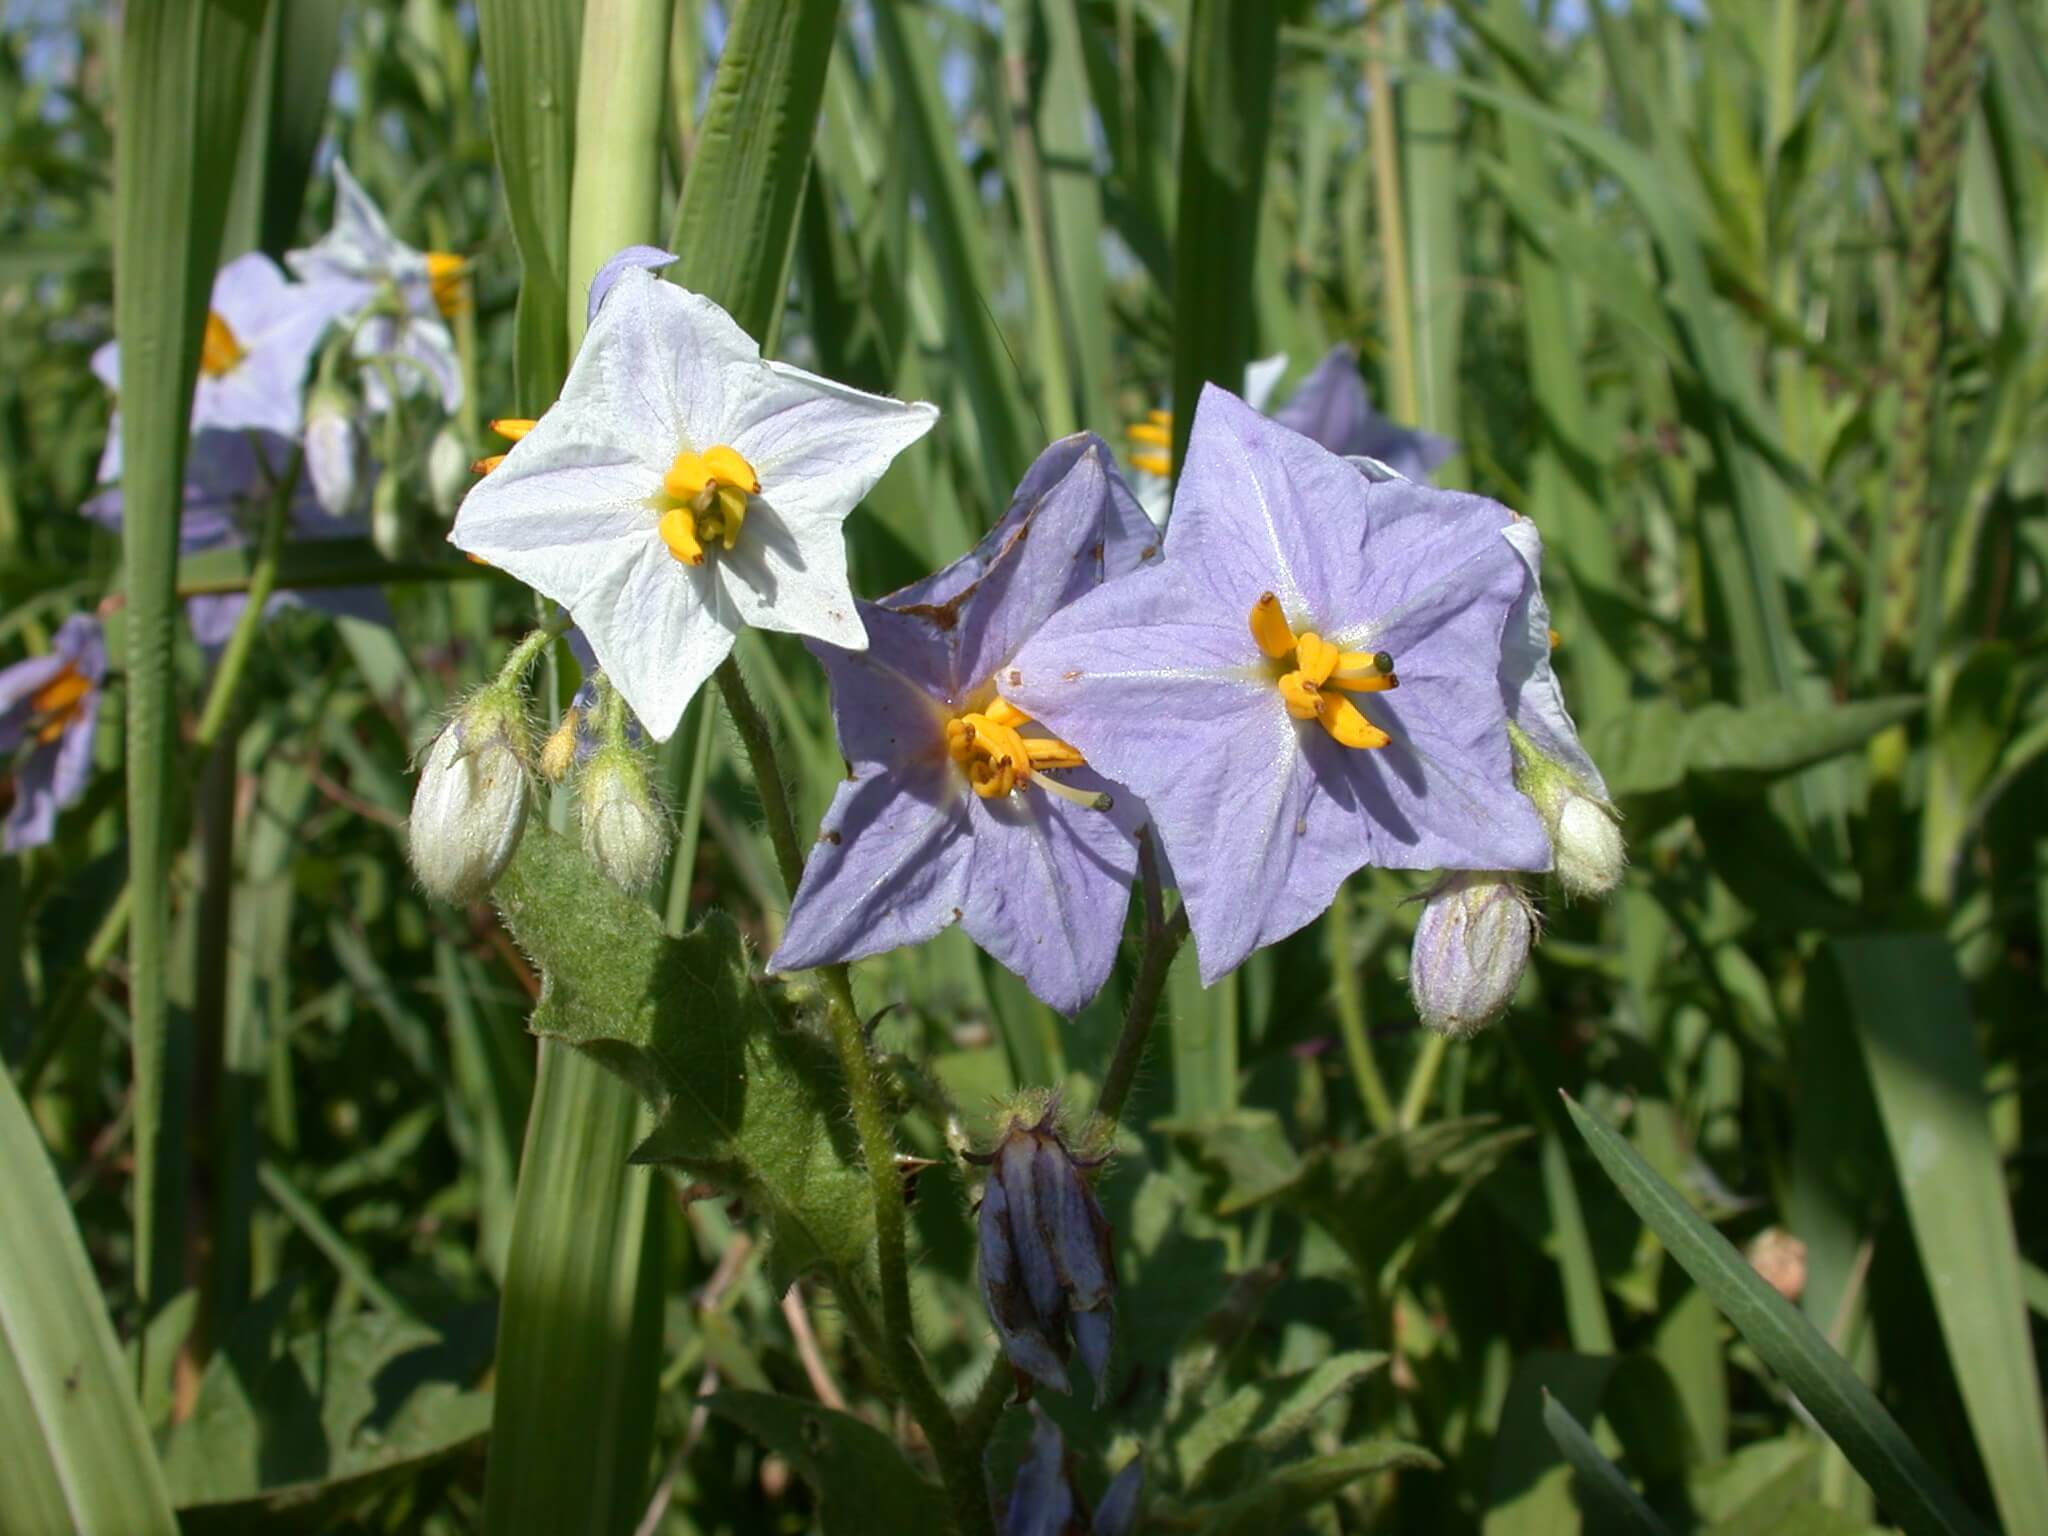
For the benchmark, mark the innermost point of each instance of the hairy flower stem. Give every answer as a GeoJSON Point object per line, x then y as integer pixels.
{"type": "Point", "coordinates": [1163, 938]}
{"type": "Point", "coordinates": [871, 1123]}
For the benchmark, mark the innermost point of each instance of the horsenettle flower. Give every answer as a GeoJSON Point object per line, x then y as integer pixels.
{"type": "Point", "coordinates": [683, 486]}
{"type": "Point", "coordinates": [1246, 688]}
{"type": "Point", "coordinates": [49, 706]}
{"type": "Point", "coordinates": [1046, 1266]}
{"type": "Point", "coordinates": [957, 807]}
{"type": "Point", "coordinates": [260, 334]}
{"type": "Point", "coordinates": [1331, 406]}
{"type": "Point", "coordinates": [414, 290]}
{"type": "Point", "coordinates": [230, 478]}
{"type": "Point", "coordinates": [1043, 1501]}
{"type": "Point", "coordinates": [1471, 947]}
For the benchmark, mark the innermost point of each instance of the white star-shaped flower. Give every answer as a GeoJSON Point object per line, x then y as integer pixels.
{"type": "Point", "coordinates": [681, 487]}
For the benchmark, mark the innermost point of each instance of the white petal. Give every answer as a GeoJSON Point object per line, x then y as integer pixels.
{"type": "Point", "coordinates": [666, 362]}
{"type": "Point", "coordinates": [789, 573]}
{"type": "Point", "coordinates": [658, 627]}
{"type": "Point", "coordinates": [1535, 700]}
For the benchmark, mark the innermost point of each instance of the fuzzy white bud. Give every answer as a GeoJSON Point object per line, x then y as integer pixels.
{"type": "Point", "coordinates": [1586, 844]}
{"type": "Point", "coordinates": [334, 452]}
{"type": "Point", "coordinates": [1471, 947]}
{"type": "Point", "coordinates": [469, 810]}
{"type": "Point", "coordinates": [624, 832]}
{"type": "Point", "coordinates": [448, 473]}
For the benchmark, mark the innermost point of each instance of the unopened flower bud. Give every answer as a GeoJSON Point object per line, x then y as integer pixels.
{"type": "Point", "coordinates": [334, 451]}
{"type": "Point", "coordinates": [558, 753]}
{"type": "Point", "coordinates": [470, 807]}
{"type": "Point", "coordinates": [387, 519]}
{"type": "Point", "coordinates": [1585, 833]}
{"type": "Point", "coordinates": [1046, 1267]}
{"type": "Point", "coordinates": [448, 475]}
{"type": "Point", "coordinates": [1044, 1501]}
{"type": "Point", "coordinates": [1471, 947]}
{"type": "Point", "coordinates": [624, 833]}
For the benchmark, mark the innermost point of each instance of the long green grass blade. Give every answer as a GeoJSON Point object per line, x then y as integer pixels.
{"type": "Point", "coordinates": [1831, 1391]}
{"type": "Point", "coordinates": [1913, 1016]}
{"type": "Point", "coordinates": [78, 1454]}
{"type": "Point", "coordinates": [1605, 1487]}
{"type": "Point", "coordinates": [185, 70]}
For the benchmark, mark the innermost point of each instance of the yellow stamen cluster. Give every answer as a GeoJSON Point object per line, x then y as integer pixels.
{"type": "Point", "coordinates": [1315, 676]}
{"type": "Point", "coordinates": [511, 428]}
{"type": "Point", "coordinates": [1154, 437]}
{"type": "Point", "coordinates": [703, 500]}
{"type": "Point", "coordinates": [998, 757]}
{"type": "Point", "coordinates": [53, 706]}
{"type": "Point", "coordinates": [220, 350]}
{"type": "Point", "coordinates": [447, 277]}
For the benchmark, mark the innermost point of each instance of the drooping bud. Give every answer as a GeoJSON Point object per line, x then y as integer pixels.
{"type": "Point", "coordinates": [1044, 1501]}
{"type": "Point", "coordinates": [1585, 831]}
{"type": "Point", "coordinates": [1047, 1273]}
{"type": "Point", "coordinates": [624, 832]}
{"type": "Point", "coordinates": [1471, 947]}
{"type": "Point", "coordinates": [334, 451]}
{"type": "Point", "coordinates": [388, 529]}
{"type": "Point", "coordinates": [448, 475]}
{"type": "Point", "coordinates": [470, 807]}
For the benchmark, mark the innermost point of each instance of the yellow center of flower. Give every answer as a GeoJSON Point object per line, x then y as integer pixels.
{"type": "Point", "coordinates": [1314, 676]}
{"type": "Point", "coordinates": [1154, 439]}
{"type": "Point", "coordinates": [703, 500]}
{"type": "Point", "coordinates": [998, 758]}
{"type": "Point", "coordinates": [56, 704]}
{"type": "Point", "coordinates": [221, 349]}
{"type": "Point", "coordinates": [447, 277]}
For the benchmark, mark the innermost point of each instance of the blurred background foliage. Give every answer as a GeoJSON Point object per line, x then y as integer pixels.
{"type": "Point", "coordinates": [1669, 275]}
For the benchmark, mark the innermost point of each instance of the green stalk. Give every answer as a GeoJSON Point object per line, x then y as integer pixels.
{"type": "Point", "coordinates": [615, 199]}
{"type": "Point", "coordinates": [1372, 1087]}
{"type": "Point", "coordinates": [1027, 183]}
{"type": "Point", "coordinates": [185, 73]}
{"type": "Point", "coordinates": [1386, 190]}
{"type": "Point", "coordinates": [1163, 939]}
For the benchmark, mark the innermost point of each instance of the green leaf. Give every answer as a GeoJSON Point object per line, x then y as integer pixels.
{"type": "Point", "coordinates": [1913, 1015]}
{"type": "Point", "coordinates": [78, 1454]}
{"type": "Point", "coordinates": [1528, 1484]}
{"type": "Point", "coordinates": [1831, 1391]}
{"type": "Point", "coordinates": [1286, 1495]}
{"type": "Point", "coordinates": [1606, 1490]}
{"type": "Point", "coordinates": [1269, 1414]}
{"type": "Point", "coordinates": [1655, 743]}
{"type": "Point", "coordinates": [861, 1479]}
{"type": "Point", "coordinates": [293, 1436]}
{"type": "Point", "coordinates": [742, 1096]}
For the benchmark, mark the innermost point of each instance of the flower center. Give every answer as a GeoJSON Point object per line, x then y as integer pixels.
{"type": "Point", "coordinates": [221, 349]}
{"type": "Point", "coordinates": [1314, 676]}
{"type": "Point", "coordinates": [446, 272]}
{"type": "Point", "coordinates": [999, 758]}
{"type": "Point", "coordinates": [56, 704]}
{"type": "Point", "coordinates": [703, 500]}
{"type": "Point", "coordinates": [1154, 439]}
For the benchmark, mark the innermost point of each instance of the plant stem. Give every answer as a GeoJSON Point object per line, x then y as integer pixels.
{"type": "Point", "coordinates": [1365, 1071]}
{"type": "Point", "coordinates": [1393, 225]}
{"type": "Point", "coordinates": [234, 658]}
{"type": "Point", "coordinates": [871, 1123]}
{"type": "Point", "coordinates": [1422, 1081]}
{"type": "Point", "coordinates": [1163, 938]}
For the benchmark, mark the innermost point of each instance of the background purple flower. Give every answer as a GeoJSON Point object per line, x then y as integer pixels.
{"type": "Point", "coordinates": [49, 705]}
{"type": "Point", "coordinates": [1332, 407]}
{"type": "Point", "coordinates": [1157, 678]}
{"type": "Point", "coordinates": [908, 847]}
{"type": "Point", "coordinates": [229, 478]}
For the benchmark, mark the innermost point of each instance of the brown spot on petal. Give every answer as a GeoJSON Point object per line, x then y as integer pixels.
{"type": "Point", "coordinates": [832, 836]}
{"type": "Point", "coordinates": [1071, 677]}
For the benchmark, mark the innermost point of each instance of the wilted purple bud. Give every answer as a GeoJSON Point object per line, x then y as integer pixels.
{"type": "Point", "coordinates": [1046, 1268]}
{"type": "Point", "coordinates": [1044, 1501]}
{"type": "Point", "coordinates": [1471, 948]}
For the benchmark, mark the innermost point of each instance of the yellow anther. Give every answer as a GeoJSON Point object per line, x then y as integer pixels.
{"type": "Point", "coordinates": [1046, 752]}
{"type": "Point", "coordinates": [220, 349]}
{"type": "Point", "coordinates": [1556, 639]}
{"type": "Point", "coordinates": [447, 275]}
{"type": "Point", "coordinates": [475, 559]}
{"type": "Point", "coordinates": [1160, 418]}
{"type": "Point", "coordinates": [998, 759]}
{"type": "Point", "coordinates": [1153, 464]}
{"type": "Point", "coordinates": [513, 428]}
{"type": "Point", "coordinates": [1313, 676]}
{"type": "Point", "coordinates": [1270, 628]}
{"type": "Point", "coordinates": [1003, 712]}
{"type": "Point", "coordinates": [53, 706]}
{"type": "Point", "coordinates": [1152, 434]}
{"type": "Point", "coordinates": [558, 754]}
{"type": "Point", "coordinates": [1348, 725]}
{"type": "Point", "coordinates": [486, 464]}
{"type": "Point", "coordinates": [703, 498]}
{"type": "Point", "coordinates": [678, 529]}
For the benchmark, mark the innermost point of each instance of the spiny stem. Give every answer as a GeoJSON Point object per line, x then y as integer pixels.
{"type": "Point", "coordinates": [871, 1124]}
{"type": "Point", "coordinates": [1163, 939]}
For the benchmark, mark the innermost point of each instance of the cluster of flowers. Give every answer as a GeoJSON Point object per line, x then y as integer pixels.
{"type": "Point", "coordinates": [1324, 665]}
{"type": "Point", "coordinates": [375, 311]}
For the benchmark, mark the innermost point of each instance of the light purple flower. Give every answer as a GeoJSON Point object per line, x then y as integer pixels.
{"type": "Point", "coordinates": [910, 845]}
{"type": "Point", "coordinates": [362, 254]}
{"type": "Point", "coordinates": [260, 334]}
{"type": "Point", "coordinates": [1331, 406]}
{"type": "Point", "coordinates": [1363, 724]}
{"type": "Point", "coordinates": [49, 706]}
{"type": "Point", "coordinates": [229, 479]}
{"type": "Point", "coordinates": [634, 258]}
